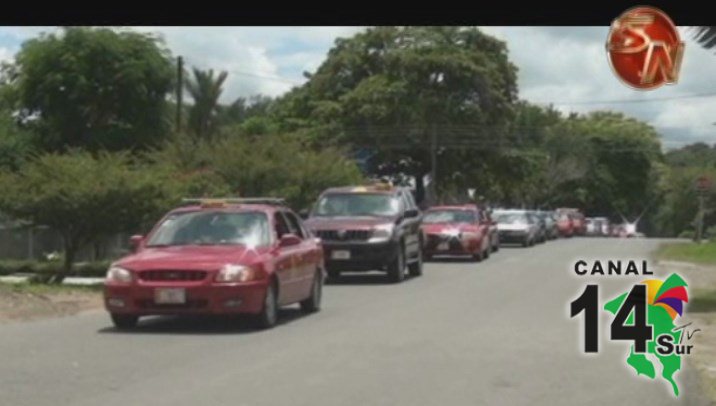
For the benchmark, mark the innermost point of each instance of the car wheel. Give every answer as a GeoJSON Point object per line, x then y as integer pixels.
{"type": "Point", "coordinates": [487, 252]}
{"type": "Point", "coordinates": [124, 321]}
{"type": "Point", "coordinates": [269, 313]}
{"type": "Point", "coordinates": [396, 269]}
{"type": "Point", "coordinates": [416, 268]}
{"type": "Point", "coordinates": [496, 246]}
{"type": "Point", "coordinates": [313, 303]}
{"type": "Point", "coordinates": [478, 256]}
{"type": "Point", "coordinates": [526, 242]}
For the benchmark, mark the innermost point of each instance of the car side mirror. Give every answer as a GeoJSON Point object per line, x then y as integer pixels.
{"type": "Point", "coordinates": [135, 241]}
{"type": "Point", "coordinates": [410, 213]}
{"type": "Point", "coordinates": [289, 240]}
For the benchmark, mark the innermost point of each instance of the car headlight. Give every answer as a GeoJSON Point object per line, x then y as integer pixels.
{"type": "Point", "coordinates": [381, 233]}
{"type": "Point", "coordinates": [119, 275]}
{"type": "Point", "coordinates": [236, 273]}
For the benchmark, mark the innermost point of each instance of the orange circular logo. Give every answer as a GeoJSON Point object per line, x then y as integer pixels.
{"type": "Point", "coordinates": [644, 48]}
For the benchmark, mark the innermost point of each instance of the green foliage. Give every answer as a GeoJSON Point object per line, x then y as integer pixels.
{"type": "Point", "coordinates": [205, 89]}
{"type": "Point", "coordinates": [95, 88]}
{"type": "Point", "coordinates": [388, 88]}
{"type": "Point", "coordinates": [95, 269]}
{"type": "Point", "coordinates": [15, 142]}
{"type": "Point", "coordinates": [267, 165]}
{"type": "Point", "coordinates": [85, 197]}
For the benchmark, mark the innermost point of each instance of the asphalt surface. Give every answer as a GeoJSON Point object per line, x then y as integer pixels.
{"type": "Point", "coordinates": [496, 332]}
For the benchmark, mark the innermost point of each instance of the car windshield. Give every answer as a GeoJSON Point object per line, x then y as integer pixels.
{"type": "Point", "coordinates": [510, 218]}
{"type": "Point", "coordinates": [449, 216]}
{"type": "Point", "coordinates": [355, 204]}
{"type": "Point", "coordinates": [212, 228]}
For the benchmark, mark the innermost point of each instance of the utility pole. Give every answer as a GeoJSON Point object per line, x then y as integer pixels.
{"type": "Point", "coordinates": [433, 164]}
{"type": "Point", "coordinates": [700, 219]}
{"type": "Point", "coordinates": [180, 90]}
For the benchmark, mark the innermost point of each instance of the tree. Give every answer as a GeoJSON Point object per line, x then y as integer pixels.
{"type": "Point", "coordinates": [205, 90]}
{"type": "Point", "coordinates": [390, 89]}
{"type": "Point", "coordinates": [96, 88]}
{"type": "Point", "coordinates": [84, 197]}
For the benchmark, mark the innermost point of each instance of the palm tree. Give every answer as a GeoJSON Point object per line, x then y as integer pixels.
{"type": "Point", "coordinates": [205, 90]}
{"type": "Point", "coordinates": [705, 36]}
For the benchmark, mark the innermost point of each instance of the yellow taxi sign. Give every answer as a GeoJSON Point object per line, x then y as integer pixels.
{"type": "Point", "coordinates": [359, 189]}
{"type": "Point", "coordinates": [213, 203]}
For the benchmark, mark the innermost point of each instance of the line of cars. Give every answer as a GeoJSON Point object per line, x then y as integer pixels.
{"type": "Point", "coordinates": [239, 256]}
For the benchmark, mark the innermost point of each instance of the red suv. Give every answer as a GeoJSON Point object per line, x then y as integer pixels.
{"type": "Point", "coordinates": [364, 228]}
{"type": "Point", "coordinates": [224, 257]}
{"type": "Point", "coordinates": [458, 230]}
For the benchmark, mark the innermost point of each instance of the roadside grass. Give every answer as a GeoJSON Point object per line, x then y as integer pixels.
{"type": "Point", "coordinates": [704, 253]}
{"type": "Point", "coordinates": [45, 289]}
{"type": "Point", "coordinates": [702, 301]}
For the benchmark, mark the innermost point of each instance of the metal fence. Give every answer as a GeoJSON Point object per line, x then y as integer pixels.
{"type": "Point", "coordinates": [24, 242]}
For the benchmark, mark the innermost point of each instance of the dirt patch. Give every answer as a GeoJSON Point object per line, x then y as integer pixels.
{"type": "Point", "coordinates": [29, 303]}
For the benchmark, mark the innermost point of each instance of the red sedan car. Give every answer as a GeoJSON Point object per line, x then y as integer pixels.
{"type": "Point", "coordinates": [456, 230]}
{"type": "Point", "coordinates": [565, 225]}
{"type": "Point", "coordinates": [220, 257]}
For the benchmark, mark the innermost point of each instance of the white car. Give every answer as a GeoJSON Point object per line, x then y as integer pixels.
{"type": "Point", "coordinates": [517, 226]}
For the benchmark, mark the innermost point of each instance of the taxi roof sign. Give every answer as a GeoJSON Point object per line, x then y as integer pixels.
{"type": "Point", "coordinates": [224, 201]}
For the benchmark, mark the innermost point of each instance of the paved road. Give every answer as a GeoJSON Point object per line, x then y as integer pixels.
{"type": "Point", "coordinates": [493, 333]}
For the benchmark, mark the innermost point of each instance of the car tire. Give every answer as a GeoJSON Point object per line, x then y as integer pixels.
{"type": "Point", "coordinates": [124, 321]}
{"type": "Point", "coordinates": [313, 303]}
{"type": "Point", "coordinates": [416, 268]}
{"type": "Point", "coordinates": [478, 256]}
{"type": "Point", "coordinates": [487, 253]}
{"type": "Point", "coordinates": [269, 311]}
{"type": "Point", "coordinates": [496, 247]}
{"type": "Point", "coordinates": [526, 242]}
{"type": "Point", "coordinates": [396, 269]}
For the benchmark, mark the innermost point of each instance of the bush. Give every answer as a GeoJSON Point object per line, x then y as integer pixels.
{"type": "Point", "coordinates": [95, 269]}
{"type": "Point", "coordinates": [687, 234]}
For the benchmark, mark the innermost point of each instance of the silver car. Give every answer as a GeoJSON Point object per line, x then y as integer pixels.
{"type": "Point", "coordinates": [517, 226]}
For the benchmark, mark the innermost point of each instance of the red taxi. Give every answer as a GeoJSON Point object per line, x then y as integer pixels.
{"type": "Point", "coordinates": [456, 230]}
{"type": "Point", "coordinates": [222, 257]}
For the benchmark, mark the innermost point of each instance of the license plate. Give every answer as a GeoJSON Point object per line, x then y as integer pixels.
{"type": "Point", "coordinates": [443, 246]}
{"type": "Point", "coordinates": [341, 254]}
{"type": "Point", "coordinates": [170, 295]}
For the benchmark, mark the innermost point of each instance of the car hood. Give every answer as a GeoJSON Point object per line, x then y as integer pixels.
{"type": "Point", "coordinates": [189, 257]}
{"type": "Point", "coordinates": [341, 223]}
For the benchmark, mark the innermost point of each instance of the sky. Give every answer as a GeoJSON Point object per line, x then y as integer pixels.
{"type": "Point", "coordinates": [563, 66]}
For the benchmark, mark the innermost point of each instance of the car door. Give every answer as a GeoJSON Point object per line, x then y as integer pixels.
{"type": "Point", "coordinates": [410, 225]}
{"type": "Point", "coordinates": [286, 262]}
{"type": "Point", "coordinates": [307, 254]}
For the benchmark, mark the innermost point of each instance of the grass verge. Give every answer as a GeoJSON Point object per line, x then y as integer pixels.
{"type": "Point", "coordinates": [704, 253]}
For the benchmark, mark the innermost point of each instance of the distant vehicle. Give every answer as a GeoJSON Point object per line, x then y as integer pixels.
{"type": "Point", "coordinates": [593, 226]}
{"type": "Point", "coordinates": [457, 230]}
{"type": "Point", "coordinates": [579, 226]}
{"type": "Point", "coordinates": [541, 226]}
{"type": "Point", "coordinates": [372, 227]}
{"type": "Point", "coordinates": [226, 257]}
{"type": "Point", "coordinates": [601, 226]}
{"type": "Point", "coordinates": [565, 225]}
{"type": "Point", "coordinates": [516, 226]}
{"type": "Point", "coordinates": [550, 222]}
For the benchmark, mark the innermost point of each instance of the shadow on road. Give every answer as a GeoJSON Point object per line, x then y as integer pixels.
{"type": "Point", "coordinates": [203, 325]}
{"type": "Point", "coordinates": [361, 278]}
